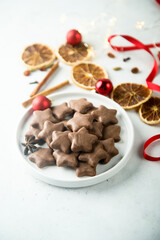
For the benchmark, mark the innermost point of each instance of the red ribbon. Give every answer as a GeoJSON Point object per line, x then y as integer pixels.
{"type": "Point", "coordinates": [151, 85]}
{"type": "Point", "coordinates": [139, 45]}
{"type": "Point", "coordinates": [147, 143]}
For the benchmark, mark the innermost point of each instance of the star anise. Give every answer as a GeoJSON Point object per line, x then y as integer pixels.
{"type": "Point", "coordinates": [30, 144]}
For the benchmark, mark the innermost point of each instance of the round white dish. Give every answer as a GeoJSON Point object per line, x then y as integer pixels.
{"type": "Point", "coordinates": [66, 177]}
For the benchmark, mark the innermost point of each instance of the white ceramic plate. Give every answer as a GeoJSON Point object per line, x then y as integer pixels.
{"type": "Point", "coordinates": [65, 177]}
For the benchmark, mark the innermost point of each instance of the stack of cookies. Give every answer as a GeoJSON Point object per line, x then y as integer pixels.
{"type": "Point", "coordinates": [78, 136]}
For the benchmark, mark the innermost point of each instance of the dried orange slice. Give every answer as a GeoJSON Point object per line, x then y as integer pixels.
{"type": "Point", "coordinates": [86, 74]}
{"type": "Point", "coordinates": [131, 95]}
{"type": "Point", "coordinates": [149, 111]}
{"type": "Point", "coordinates": [70, 54]}
{"type": "Point", "coordinates": [37, 56]}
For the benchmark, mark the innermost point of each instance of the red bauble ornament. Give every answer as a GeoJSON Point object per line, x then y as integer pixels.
{"type": "Point", "coordinates": [104, 86]}
{"type": "Point", "coordinates": [40, 103]}
{"type": "Point", "coordinates": [158, 1]}
{"type": "Point", "coordinates": [73, 37]}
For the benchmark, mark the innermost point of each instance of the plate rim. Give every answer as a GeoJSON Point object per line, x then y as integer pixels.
{"type": "Point", "coordinates": [83, 182]}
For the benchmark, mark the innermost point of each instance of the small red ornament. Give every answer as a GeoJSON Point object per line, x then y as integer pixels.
{"type": "Point", "coordinates": [158, 1]}
{"type": "Point", "coordinates": [40, 103]}
{"type": "Point", "coordinates": [73, 37]}
{"type": "Point", "coordinates": [104, 86]}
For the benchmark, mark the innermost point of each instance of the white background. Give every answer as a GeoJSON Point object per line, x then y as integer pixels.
{"type": "Point", "coordinates": [126, 206]}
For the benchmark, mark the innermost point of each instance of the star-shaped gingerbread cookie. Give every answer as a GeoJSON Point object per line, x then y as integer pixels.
{"type": "Point", "coordinates": [32, 132]}
{"type": "Point", "coordinates": [48, 129]}
{"type": "Point", "coordinates": [112, 131]}
{"type": "Point", "coordinates": [95, 156]}
{"type": "Point", "coordinates": [97, 129]}
{"type": "Point", "coordinates": [105, 115]}
{"type": "Point", "coordinates": [111, 150]}
{"type": "Point", "coordinates": [39, 117]}
{"type": "Point", "coordinates": [84, 169]}
{"type": "Point", "coordinates": [62, 111]}
{"type": "Point", "coordinates": [80, 105]}
{"type": "Point", "coordinates": [42, 157]}
{"type": "Point", "coordinates": [80, 120]}
{"type": "Point", "coordinates": [82, 140]}
{"type": "Point", "coordinates": [60, 141]}
{"type": "Point", "coordinates": [65, 160]}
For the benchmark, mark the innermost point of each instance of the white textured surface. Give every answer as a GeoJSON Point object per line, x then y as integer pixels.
{"type": "Point", "coordinates": [128, 205]}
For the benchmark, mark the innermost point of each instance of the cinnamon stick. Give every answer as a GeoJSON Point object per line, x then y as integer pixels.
{"type": "Point", "coordinates": [51, 71]}
{"type": "Point", "coordinates": [45, 93]}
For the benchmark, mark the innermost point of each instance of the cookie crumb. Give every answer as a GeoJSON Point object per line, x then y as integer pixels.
{"type": "Point", "coordinates": [111, 55]}
{"type": "Point", "coordinates": [135, 70]}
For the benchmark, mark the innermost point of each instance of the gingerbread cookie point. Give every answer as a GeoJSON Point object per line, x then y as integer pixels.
{"type": "Point", "coordinates": [34, 132]}
{"type": "Point", "coordinates": [62, 111]}
{"type": "Point", "coordinates": [42, 157]}
{"type": "Point", "coordinates": [104, 115]}
{"type": "Point", "coordinates": [95, 156]}
{"type": "Point", "coordinates": [61, 141]}
{"type": "Point", "coordinates": [65, 159]}
{"type": "Point", "coordinates": [80, 120]}
{"type": "Point", "coordinates": [97, 129]}
{"type": "Point", "coordinates": [111, 150]}
{"type": "Point", "coordinates": [65, 124]}
{"type": "Point", "coordinates": [112, 131]}
{"type": "Point", "coordinates": [84, 169]}
{"type": "Point", "coordinates": [80, 105]}
{"type": "Point", "coordinates": [82, 140]}
{"type": "Point", "coordinates": [48, 128]}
